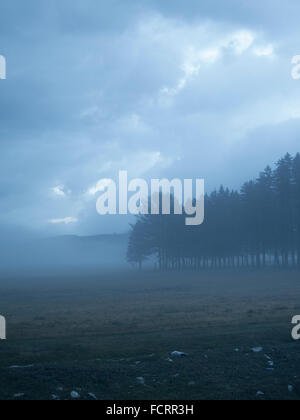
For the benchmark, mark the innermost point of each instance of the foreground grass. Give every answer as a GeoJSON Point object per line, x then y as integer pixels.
{"type": "Point", "coordinates": [98, 334]}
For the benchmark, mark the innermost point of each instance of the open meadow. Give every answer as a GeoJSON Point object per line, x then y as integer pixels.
{"type": "Point", "coordinates": [110, 336]}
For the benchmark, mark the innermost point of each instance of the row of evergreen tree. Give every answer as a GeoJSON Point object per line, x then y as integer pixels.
{"type": "Point", "coordinates": [257, 226]}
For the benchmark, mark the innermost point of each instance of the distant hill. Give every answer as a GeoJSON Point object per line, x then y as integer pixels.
{"type": "Point", "coordinates": [88, 250]}
{"type": "Point", "coordinates": [66, 251]}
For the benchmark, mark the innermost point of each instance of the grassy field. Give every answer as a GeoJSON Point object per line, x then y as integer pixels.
{"type": "Point", "coordinates": [99, 333]}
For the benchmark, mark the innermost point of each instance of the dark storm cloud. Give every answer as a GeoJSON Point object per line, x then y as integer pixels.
{"type": "Point", "coordinates": [153, 87]}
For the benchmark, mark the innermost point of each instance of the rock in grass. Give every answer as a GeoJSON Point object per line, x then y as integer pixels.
{"type": "Point", "coordinates": [178, 354]}
{"type": "Point", "coordinates": [74, 395]}
{"type": "Point", "coordinates": [141, 380]}
{"type": "Point", "coordinates": [257, 349]}
{"type": "Point", "coordinates": [21, 367]}
{"type": "Point", "coordinates": [260, 394]}
{"type": "Point", "coordinates": [20, 395]}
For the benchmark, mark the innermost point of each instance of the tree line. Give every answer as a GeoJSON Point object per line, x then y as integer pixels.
{"type": "Point", "coordinates": [258, 226]}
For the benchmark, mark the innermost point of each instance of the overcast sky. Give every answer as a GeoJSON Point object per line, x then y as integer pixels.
{"type": "Point", "coordinates": [161, 88]}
